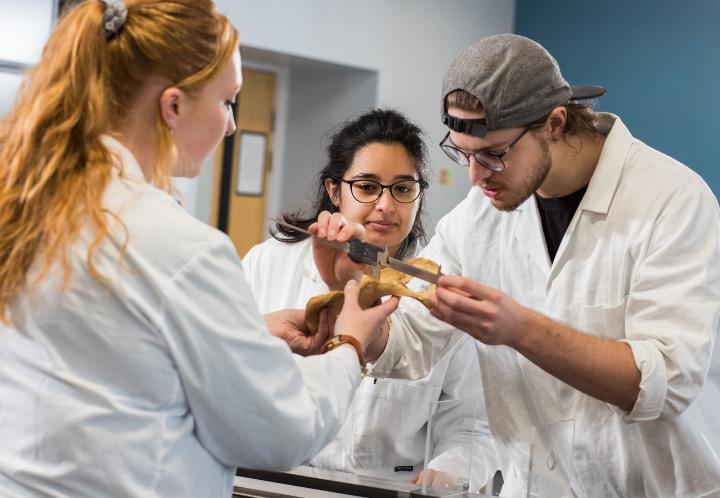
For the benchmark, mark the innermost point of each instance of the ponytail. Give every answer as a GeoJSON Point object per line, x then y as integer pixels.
{"type": "Point", "coordinates": [54, 167]}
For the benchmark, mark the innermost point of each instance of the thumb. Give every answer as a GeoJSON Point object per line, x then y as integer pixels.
{"type": "Point", "coordinates": [324, 330]}
{"type": "Point", "coordinates": [383, 310]}
{"type": "Point", "coordinates": [351, 295]}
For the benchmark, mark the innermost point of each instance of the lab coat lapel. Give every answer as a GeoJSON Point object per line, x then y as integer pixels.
{"type": "Point", "coordinates": [601, 189]}
{"type": "Point", "coordinates": [529, 235]}
{"type": "Point", "coordinates": [123, 160]}
{"type": "Point", "coordinates": [606, 178]}
{"type": "Point", "coordinates": [563, 251]}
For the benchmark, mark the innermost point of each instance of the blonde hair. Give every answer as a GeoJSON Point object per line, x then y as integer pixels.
{"type": "Point", "coordinates": [54, 167]}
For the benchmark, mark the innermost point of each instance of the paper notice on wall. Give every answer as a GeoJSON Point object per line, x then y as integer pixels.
{"type": "Point", "coordinates": [251, 168]}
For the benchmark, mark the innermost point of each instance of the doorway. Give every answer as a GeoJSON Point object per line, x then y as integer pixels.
{"type": "Point", "coordinates": [311, 98]}
{"type": "Point", "coordinates": [243, 164]}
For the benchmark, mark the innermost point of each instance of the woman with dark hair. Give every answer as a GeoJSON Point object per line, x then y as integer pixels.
{"type": "Point", "coordinates": [375, 175]}
{"type": "Point", "coordinates": [379, 134]}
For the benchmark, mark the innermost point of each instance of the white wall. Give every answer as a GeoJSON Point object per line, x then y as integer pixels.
{"type": "Point", "coordinates": [409, 43]}
{"type": "Point", "coordinates": [311, 98]}
{"type": "Point", "coordinates": [9, 84]}
{"type": "Point", "coordinates": [24, 29]}
{"type": "Point", "coordinates": [320, 98]}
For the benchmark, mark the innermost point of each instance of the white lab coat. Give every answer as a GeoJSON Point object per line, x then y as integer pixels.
{"type": "Point", "coordinates": [385, 432]}
{"type": "Point", "coordinates": [164, 378]}
{"type": "Point", "coordinates": [640, 263]}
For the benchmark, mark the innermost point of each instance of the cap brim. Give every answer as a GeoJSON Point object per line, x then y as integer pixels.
{"type": "Point", "coordinates": [587, 92]}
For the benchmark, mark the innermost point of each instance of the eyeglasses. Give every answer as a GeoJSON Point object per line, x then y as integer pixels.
{"type": "Point", "coordinates": [367, 191]}
{"type": "Point", "coordinates": [490, 160]}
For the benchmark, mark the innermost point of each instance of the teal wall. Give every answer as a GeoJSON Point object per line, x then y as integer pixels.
{"type": "Point", "coordinates": [659, 60]}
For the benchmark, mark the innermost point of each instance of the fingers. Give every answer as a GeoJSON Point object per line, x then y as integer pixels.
{"type": "Point", "coordinates": [321, 225]}
{"type": "Point", "coordinates": [385, 309]}
{"type": "Point", "coordinates": [434, 299]}
{"type": "Point", "coordinates": [324, 330]}
{"type": "Point", "coordinates": [460, 294]}
{"type": "Point", "coordinates": [460, 301]}
{"type": "Point", "coordinates": [426, 476]}
{"type": "Point", "coordinates": [335, 227]}
{"type": "Point", "coordinates": [296, 316]}
{"type": "Point", "coordinates": [450, 306]}
{"type": "Point", "coordinates": [473, 324]}
{"type": "Point", "coordinates": [448, 314]}
{"type": "Point", "coordinates": [327, 225]}
{"type": "Point", "coordinates": [315, 342]}
{"type": "Point", "coordinates": [350, 230]}
{"type": "Point", "coordinates": [465, 285]}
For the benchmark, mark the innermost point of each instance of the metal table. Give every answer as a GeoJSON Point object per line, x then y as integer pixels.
{"type": "Point", "coordinates": [320, 483]}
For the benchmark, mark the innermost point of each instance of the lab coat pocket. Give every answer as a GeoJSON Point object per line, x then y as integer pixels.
{"type": "Point", "coordinates": [606, 321]}
{"type": "Point", "coordinates": [391, 424]}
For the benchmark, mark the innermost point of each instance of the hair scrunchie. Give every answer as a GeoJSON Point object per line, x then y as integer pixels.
{"type": "Point", "coordinates": [114, 17]}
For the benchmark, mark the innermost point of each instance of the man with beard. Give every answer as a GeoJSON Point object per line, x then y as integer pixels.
{"type": "Point", "coordinates": [587, 266]}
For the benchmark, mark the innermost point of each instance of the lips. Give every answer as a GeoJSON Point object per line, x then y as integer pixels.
{"type": "Point", "coordinates": [491, 192]}
{"type": "Point", "coordinates": [381, 226]}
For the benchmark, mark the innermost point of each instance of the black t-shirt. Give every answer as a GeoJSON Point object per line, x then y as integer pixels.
{"type": "Point", "coordinates": [556, 214]}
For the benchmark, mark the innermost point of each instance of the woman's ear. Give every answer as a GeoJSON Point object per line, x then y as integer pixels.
{"type": "Point", "coordinates": [332, 191]}
{"type": "Point", "coordinates": [171, 100]}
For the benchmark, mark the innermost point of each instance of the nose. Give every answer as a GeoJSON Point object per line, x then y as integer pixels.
{"type": "Point", "coordinates": [477, 172]}
{"type": "Point", "coordinates": [230, 126]}
{"type": "Point", "coordinates": [385, 202]}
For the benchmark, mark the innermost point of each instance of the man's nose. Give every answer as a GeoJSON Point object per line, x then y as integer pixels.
{"type": "Point", "coordinates": [477, 172]}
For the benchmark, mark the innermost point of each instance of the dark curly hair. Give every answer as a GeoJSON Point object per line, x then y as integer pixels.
{"type": "Point", "coordinates": [386, 126]}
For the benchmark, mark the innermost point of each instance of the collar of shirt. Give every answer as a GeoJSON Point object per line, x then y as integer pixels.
{"type": "Point", "coordinates": [606, 178]}
{"type": "Point", "coordinates": [309, 270]}
{"type": "Point", "coordinates": [124, 161]}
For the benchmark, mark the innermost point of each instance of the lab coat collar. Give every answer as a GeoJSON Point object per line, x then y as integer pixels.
{"type": "Point", "coordinates": [309, 270]}
{"type": "Point", "coordinates": [597, 198]}
{"type": "Point", "coordinates": [124, 160]}
{"type": "Point", "coordinates": [605, 179]}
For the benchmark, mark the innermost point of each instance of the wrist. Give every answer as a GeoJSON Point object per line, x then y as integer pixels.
{"type": "Point", "coordinates": [376, 348]}
{"type": "Point", "coordinates": [529, 330]}
{"type": "Point", "coordinates": [347, 340]}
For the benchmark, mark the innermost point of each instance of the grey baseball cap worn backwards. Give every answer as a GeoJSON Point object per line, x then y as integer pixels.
{"type": "Point", "coordinates": [515, 79]}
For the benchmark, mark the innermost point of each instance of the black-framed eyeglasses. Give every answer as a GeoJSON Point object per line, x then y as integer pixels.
{"type": "Point", "coordinates": [490, 160]}
{"type": "Point", "coordinates": [367, 191]}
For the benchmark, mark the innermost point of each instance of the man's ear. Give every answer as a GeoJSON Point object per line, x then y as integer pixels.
{"type": "Point", "coordinates": [332, 190]}
{"type": "Point", "coordinates": [557, 121]}
{"type": "Point", "coordinates": [171, 101]}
